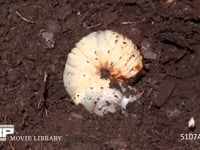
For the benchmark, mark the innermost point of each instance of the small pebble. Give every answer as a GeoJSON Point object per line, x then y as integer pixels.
{"type": "Point", "coordinates": [191, 123]}
{"type": "Point", "coordinates": [48, 38]}
{"type": "Point", "coordinates": [147, 50]}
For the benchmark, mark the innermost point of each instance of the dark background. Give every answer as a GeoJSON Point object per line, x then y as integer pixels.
{"type": "Point", "coordinates": [35, 39]}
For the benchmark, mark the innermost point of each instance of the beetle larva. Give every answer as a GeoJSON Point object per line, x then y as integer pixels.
{"type": "Point", "coordinates": [96, 59]}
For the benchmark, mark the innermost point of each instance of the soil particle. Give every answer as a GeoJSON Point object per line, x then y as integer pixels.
{"type": "Point", "coordinates": [48, 38]}
{"type": "Point", "coordinates": [147, 51]}
{"type": "Point", "coordinates": [165, 90]}
{"type": "Point", "coordinates": [63, 11]}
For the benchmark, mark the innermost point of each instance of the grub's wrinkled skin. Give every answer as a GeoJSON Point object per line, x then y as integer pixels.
{"type": "Point", "coordinates": [101, 50]}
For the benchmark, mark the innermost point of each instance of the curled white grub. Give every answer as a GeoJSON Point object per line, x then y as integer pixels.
{"type": "Point", "coordinates": [95, 60]}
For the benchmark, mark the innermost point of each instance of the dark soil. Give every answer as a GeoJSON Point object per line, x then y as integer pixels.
{"type": "Point", "coordinates": [35, 39]}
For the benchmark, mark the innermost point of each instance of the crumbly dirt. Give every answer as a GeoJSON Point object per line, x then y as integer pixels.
{"type": "Point", "coordinates": [35, 39]}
